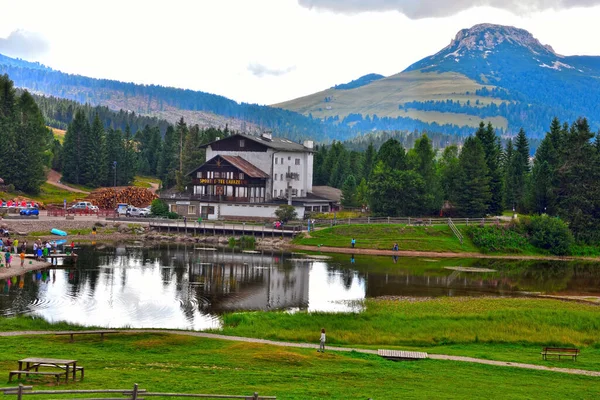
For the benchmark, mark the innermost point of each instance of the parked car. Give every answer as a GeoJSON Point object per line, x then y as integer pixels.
{"type": "Point", "coordinates": [29, 211]}
{"type": "Point", "coordinates": [122, 208]}
{"type": "Point", "coordinates": [93, 209]}
{"type": "Point", "coordinates": [134, 212]}
{"type": "Point", "coordinates": [80, 206]}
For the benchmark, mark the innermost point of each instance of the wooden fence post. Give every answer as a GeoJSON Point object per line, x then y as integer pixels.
{"type": "Point", "coordinates": [20, 392]}
{"type": "Point", "coordinates": [255, 397]}
{"type": "Point", "coordinates": [388, 220]}
{"type": "Point", "coordinates": [134, 394]}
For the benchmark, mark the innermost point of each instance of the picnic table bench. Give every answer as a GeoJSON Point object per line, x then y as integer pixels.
{"type": "Point", "coordinates": [30, 366]}
{"type": "Point", "coordinates": [72, 333]}
{"type": "Point", "coordinates": [560, 352]}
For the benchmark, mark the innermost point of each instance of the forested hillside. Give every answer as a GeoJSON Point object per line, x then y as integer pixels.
{"type": "Point", "coordinates": [169, 103]}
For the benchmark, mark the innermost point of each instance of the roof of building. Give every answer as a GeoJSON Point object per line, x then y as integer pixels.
{"type": "Point", "coordinates": [276, 143]}
{"type": "Point", "coordinates": [246, 167]}
{"type": "Point", "coordinates": [328, 192]}
{"type": "Point", "coordinates": [238, 162]}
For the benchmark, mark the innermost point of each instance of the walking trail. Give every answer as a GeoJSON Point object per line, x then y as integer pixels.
{"type": "Point", "coordinates": [54, 177]}
{"type": "Point", "coordinates": [330, 348]}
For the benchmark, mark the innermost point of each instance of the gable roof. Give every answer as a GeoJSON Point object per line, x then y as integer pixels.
{"type": "Point", "coordinates": [277, 143]}
{"type": "Point", "coordinates": [238, 162]}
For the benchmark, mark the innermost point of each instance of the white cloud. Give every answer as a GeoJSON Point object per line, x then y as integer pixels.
{"type": "Point", "coordinates": [260, 70]}
{"type": "Point", "coordinates": [24, 44]}
{"type": "Point", "coordinates": [416, 9]}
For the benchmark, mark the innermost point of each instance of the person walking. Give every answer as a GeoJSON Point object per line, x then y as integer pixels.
{"type": "Point", "coordinates": [322, 342]}
{"type": "Point", "coordinates": [353, 242]}
{"type": "Point", "coordinates": [22, 255]}
{"type": "Point", "coordinates": [7, 258]}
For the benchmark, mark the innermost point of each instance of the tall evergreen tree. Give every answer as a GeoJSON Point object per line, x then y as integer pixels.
{"type": "Point", "coordinates": [75, 148]}
{"type": "Point", "coordinates": [475, 195]}
{"type": "Point", "coordinates": [31, 142]}
{"type": "Point", "coordinates": [450, 174]}
{"type": "Point", "coordinates": [128, 168]}
{"type": "Point", "coordinates": [8, 127]}
{"type": "Point", "coordinates": [521, 170]}
{"type": "Point", "coordinates": [114, 157]}
{"type": "Point", "coordinates": [369, 160]}
{"type": "Point", "coordinates": [392, 154]}
{"type": "Point", "coordinates": [508, 175]}
{"type": "Point", "coordinates": [491, 146]}
{"type": "Point", "coordinates": [94, 169]}
{"type": "Point", "coordinates": [168, 161]}
{"type": "Point", "coordinates": [181, 131]}
{"type": "Point", "coordinates": [422, 160]}
{"type": "Point", "coordinates": [349, 192]}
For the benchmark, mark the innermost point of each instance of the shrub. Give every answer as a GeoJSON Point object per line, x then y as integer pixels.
{"type": "Point", "coordinates": [159, 208]}
{"type": "Point", "coordinates": [172, 215]}
{"type": "Point", "coordinates": [550, 234]}
{"type": "Point", "coordinates": [491, 239]}
{"type": "Point", "coordinates": [286, 213]}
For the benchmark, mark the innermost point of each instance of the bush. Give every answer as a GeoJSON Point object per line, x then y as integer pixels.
{"type": "Point", "coordinates": [172, 215]}
{"type": "Point", "coordinates": [492, 239]}
{"type": "Point", "coordinates": [159, 208]}
{"type": "Point", "coordinates": [286, 213]}
{"type": "Point", "coordinates": [550, 234]}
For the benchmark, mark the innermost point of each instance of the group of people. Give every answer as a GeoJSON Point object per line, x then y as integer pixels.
{"type": "Point", "coordinates": [10, 247]}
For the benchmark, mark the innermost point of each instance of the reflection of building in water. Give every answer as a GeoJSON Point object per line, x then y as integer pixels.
{"type": "Point", "coordinates": [248, 282]}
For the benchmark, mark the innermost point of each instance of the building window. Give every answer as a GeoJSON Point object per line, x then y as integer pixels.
{"type": "Point", "coordinates": [173, 208]}
{"type": "Point", "coordinates": [199, 175]}
{"type": "Point", "coordinates": [297, 161]}
{"type": "Point", "coordinates": [208, 210]}
{"type": "Point", "coordinates": [276, 160]}
{"type": "Point", "coordinates": [241, 175]}
{"type": "Point", "coordinates": [302, 193]}
{"type": "Point", "coordinates": [294, 192]}
{"type": "Point", "coordinates": [242, 143]}
{"type": "Point", "coordinates": [274, 193]}
{"type": "Point", "coordinates": [275, 176]}
{"type": "Point", "coordinates": [192, 210]}
{"type": "Point", "coordinates": [281, 193]}
{"type": "Point", "coordinates": [290, 158]}
{"type": "Point", "coordinates": [217, 174]}
{"type": "Point", "coordinates": [281, 160]}
{"type": "Point", "coordinates": [281, 176]}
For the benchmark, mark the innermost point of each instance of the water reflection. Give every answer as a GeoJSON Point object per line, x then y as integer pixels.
{"type": "Point", "coordinates": [187, 287]}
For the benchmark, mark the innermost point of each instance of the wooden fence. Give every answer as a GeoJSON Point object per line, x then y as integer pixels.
{"type": "Point", "coordinates": [135, 394]}
{"type": "Point", "coordinates": [323, 223]}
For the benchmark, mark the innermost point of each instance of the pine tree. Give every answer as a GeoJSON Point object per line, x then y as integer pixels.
{"type": "Point", "coordinates": [521, 170]}
{"type": "Point", "coordinates": [32, 140]}
{"type": "Point", "coordinates": [74, 148]}
{"type": "Point", "coordinates": [508, 175]}
{"type": "Point", "coordinates": [369, 160]}
{"type": "Point", "coordinates": [422, 159]}
{"type": "Point", "coordinates": [450, 174]}
{"type": "Point", "coordinates": [94, 169]}
{"type": "Point", "coordinates": [114, 157]}
{"type": "Point", "coordinates": [181, 131]}
{"type": "Point", "coordinates": [474, 196]}
{"type": "Point", "coordinates": [392, 154]}
{"type": "Point", "coordinates": [491, 146]}
{"type": "Point", "coordinates": [349, 192]}
{"type": "Point", "coordinates": [8, 128]}
{"type": "Point", "coordinates": [128, 168]}
{"type": "Point", "coordinates": [168, 162]}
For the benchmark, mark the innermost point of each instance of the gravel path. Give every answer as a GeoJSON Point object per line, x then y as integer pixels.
{"type": "Point", "coordinates": [331, 348]}
{"type": "Point", "coordinates": [53, 178]}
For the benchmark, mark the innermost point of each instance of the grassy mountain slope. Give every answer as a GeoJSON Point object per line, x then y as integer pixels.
{"type": "Point", "coordinates": [488, 72]}
{"type": "Point", "coordinates": [384, 96]}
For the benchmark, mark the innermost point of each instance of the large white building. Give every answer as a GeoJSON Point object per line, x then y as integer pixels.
{"type": "Point", "coordinates": [250, 176]}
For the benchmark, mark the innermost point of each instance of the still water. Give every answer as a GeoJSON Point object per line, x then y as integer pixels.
{"type": "Point", "coordinates": [188, 287]}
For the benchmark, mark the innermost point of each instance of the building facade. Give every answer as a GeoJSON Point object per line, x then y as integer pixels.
{"type": "Point", "coordinates": [250, 177]}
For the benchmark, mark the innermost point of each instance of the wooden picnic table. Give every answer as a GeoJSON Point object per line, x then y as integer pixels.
{"type": "Point", "coordinates": [33, 363]}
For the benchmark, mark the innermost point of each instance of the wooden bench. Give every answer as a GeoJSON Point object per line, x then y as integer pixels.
{"type": "Point", "coordinates": [560, 352]}
{"type": "Point", "coordinates": [397, 355]}
{"type": "Point", "coordinates": [72, 333]}
{"type": "Point", "coordinates": [56, 374]}
{"type": "Point", "coordinates": [79, 369]}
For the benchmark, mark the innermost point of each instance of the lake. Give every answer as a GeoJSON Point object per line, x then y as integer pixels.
{"type": "Point", "coordinates": [189, 286]}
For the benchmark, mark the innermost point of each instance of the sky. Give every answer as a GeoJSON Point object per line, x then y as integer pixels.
{"type": "Point", "coordinates": [269, 51]}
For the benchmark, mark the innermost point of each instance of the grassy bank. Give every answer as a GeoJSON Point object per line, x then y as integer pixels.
{"type": "Point", "coordinates": [479, 327]}
{"type": "Point", "coordinates": [49, 194]}
{"type": "Point", "coordinates": [383, 237]}
{"type": "Point", "coordinates": [168, 363]}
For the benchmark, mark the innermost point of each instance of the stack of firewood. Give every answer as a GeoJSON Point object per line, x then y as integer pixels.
{"type": "Point", "coordinates": [104, 198]}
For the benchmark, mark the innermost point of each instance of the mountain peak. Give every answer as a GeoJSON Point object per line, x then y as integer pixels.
{"type": "Point", "coordinates": [486, 37]}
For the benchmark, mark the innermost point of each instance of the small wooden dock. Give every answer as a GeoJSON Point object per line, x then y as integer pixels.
{"type": "Point", "coordinates": [397, 355]}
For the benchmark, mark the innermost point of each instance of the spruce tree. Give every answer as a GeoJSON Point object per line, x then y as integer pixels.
{"type": "Point", "coordinates": [32, 140]}
{"type": "Point", "coordinates": [94, 169]}
{"type": "Point", "coordinates": [75, 148]}
{"type": "Point", "coordinates": [474, 195]}
{"type": "Point", "coordinates": [369, 160]}
{"type": "Point", "coordinates": [168, 162]}
{"type": "Point", "coordinates": [114, 154]}
{"type": "Point", "coordinates": [8, 129]}
{"type": "Point", "coordinates": [491, 146]}
{"type": "Point", "coordinates": [508, 175]}
{"type": "Point", "coordinates": [349, 192]}
{"type": "Point", "coordinates": [128, 169]}
{"type": "Point", "coordinates": [450, 174]}
{"type": "Point", "coordinates": [422, 160]}
{"type": "Point", "coordinates": [392, 154]}
{"type": "Point", "coordinates": [521, 170]}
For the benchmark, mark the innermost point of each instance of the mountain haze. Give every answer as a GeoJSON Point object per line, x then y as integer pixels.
{"type": "Point", "coordinates": [496, 73]}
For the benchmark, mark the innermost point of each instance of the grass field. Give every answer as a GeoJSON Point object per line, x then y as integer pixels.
{"type": "Point", "coordinates": [169, 363]}
{"type": "Point", "coordinates": [383, 236]}
{"type": "Point", "coordinates": [49, 194]}
{"type": "Point", "coordinates": [507, 329]}
{"type": "Point", "coordinates": [58, 134]}
{"type": "Point", "coordinates": [145, 181]}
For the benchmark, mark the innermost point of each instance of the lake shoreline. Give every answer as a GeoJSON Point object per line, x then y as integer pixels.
{"type": "Point", "coordinates": [17, 270]}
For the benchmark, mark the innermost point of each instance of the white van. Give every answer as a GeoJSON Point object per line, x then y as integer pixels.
{"type": "Point", "coordinates": [82, 205]}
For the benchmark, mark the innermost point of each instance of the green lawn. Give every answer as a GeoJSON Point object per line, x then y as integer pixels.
{"type": "Point", "coordinates": [145, 181]}
{"type": "Point", "coordinates": [49, 194]}
{"type": "Point", "coordinates": [383, 236]}
{"type": "Point", "coordinates": [169, 363]}
{"type": "Point", "coordinates": [507, 329]}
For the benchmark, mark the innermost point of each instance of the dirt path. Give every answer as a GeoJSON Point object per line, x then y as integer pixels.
{"type": "Point", "coordinates": [432, 254]}
{"type": "Point", "coordinates": [153, 187]}
{"type": "Point", "coordinates": [53, 178]}
{"type": "Point", "coordinates": [330, 348]}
